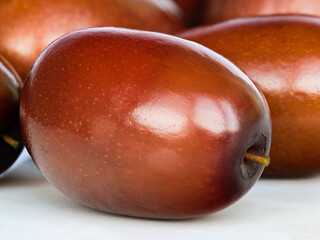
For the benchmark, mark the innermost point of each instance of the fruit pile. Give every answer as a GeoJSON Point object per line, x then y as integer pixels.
{"type": "Point", "coordinates": [125, 109]}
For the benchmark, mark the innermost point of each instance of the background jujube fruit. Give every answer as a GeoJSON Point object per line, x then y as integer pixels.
{"type": "Point", "coordinates": [143, 124]}
{"type": "Point", "coordinates": [10, 140]}
{"type": "Point", "coordinates": [28, 26]}
{"type": "Point", "coordinates": [281, 54]}
{"type": "Point", "coordinates": [221, 10]}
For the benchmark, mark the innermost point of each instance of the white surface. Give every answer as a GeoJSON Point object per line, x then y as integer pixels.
{"type": "Point", "coordinates": [30, 208]}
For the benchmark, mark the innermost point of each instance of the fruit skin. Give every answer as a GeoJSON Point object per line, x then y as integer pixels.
{"type": "Point", "coordinates": [281, 54]}
{"type": "Point", "coordinates": [10, 85]}
{"type": "Point", "coordinates": [143, 124]}
{"type": "Point", "coordinates": [221, 10]}
{"type": "Point", "coordinates": [28, 26]}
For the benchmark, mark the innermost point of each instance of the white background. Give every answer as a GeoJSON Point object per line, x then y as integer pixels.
{"type": "Point", "coordinates": [30, 208]}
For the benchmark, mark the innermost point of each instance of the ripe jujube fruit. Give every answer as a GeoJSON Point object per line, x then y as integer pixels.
{"type": "Point", "coordinates": [144, 124]}
{"type": "Point", "coordinates": [28, 26]}
{"type": "Point", "coordinates": [10, 139]}
{"type": "Point", "coordinates": [281, 54]}
{"type": "Point", "coordinates": [221, 10]}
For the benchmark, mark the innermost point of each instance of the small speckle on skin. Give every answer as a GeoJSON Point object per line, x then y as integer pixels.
{"type": "Point", "coordinates": [82, 164]}
{"type": "Point", "coordinates": [119, 157]}
{"type": "Point", "coordinates": [107, 149]}
{"type": "Point", "coordinates": [106, 156]}
{"type": "Point", "coordinates": [119, 144]}
{"type": "Point", "coordinates": [85, 175]}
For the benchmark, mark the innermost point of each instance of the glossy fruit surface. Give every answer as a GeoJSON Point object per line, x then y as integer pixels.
{"type": "Point", "coordinates": [143, 124]}
{"type": "Point", "coordinates": [281, 54]}
{"type": "Point", "coordinates": [28, 26]}
{"type": "Point", "coordinates": [10, 85]}
{"type": "Point", "coordinates": [221, 10]}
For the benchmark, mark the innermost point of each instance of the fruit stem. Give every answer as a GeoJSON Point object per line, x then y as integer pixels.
{"type": "Point", "coordinates": [258, 159]}
{"type": "Point", "coordinates": [9, 140]}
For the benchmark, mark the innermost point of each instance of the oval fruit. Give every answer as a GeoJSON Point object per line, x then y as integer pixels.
{"type": "Point", "coordinates": [221, 10]}
{"type": "Point", "coordinates": [28, 26]}
{"type": "Point", "coordinates": [281, 54]}
{"type": "Point", "coordinates": [10, 140]}
{"type": "Point", "coordinates": [143, 124]}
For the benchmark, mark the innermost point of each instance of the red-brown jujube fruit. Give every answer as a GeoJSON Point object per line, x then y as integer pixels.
{"type": "Point", "coordinates": [221, 10]}
{"type": "Point", "coordinates": [28, 26]}
{"type": "Point", "coordinates": [10, 139]}
{"type": "Point", "coordinates": [143, 124]}
{"type": "Point", "coordinates": [281, 54]}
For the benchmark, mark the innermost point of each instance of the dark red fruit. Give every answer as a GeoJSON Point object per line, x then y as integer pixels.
{"type": "Point", "coordinates": [281, 54]}
{"type": "Point", "coordinates": [143, 124]}
{"type": "Point", "coordinates": [10, 140]}
{"type": "Point", "coordinates": [28, 26]}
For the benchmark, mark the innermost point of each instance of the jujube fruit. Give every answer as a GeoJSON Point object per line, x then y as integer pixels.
{"type": "Point", "coordinates": [28, 26]}
{"type": "Point", "coordinates": [281, 54]}
{"type": "Point", "coordinates": [144, 124]}
{"type": "Point", "coordinates": [10, 139]}
{"type": "Point", "coordinates": [221, 10]}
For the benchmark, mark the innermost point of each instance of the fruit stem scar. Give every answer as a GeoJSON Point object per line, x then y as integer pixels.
{"type": "Point", "coordinates": [258, 159]}
{"type": "Point", "coordinates": [9, 140]}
